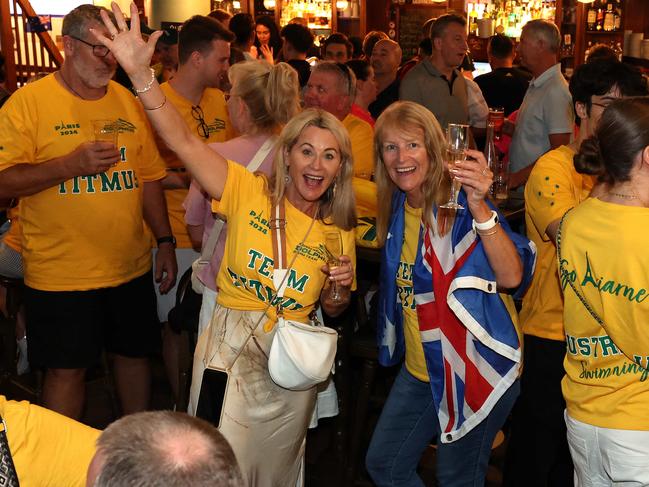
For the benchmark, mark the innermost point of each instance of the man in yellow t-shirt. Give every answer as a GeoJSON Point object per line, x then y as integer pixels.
{"type": "Point", "coordinates": [48, 449]}
{"type": "Point", "coordinates": [553, 188]}
{"type": "Point", "coordinates": [203, 53]}
{"type": "Point", "coordinates": [83, 204]}
{"type": "Point", "coordinates": [332, 87]}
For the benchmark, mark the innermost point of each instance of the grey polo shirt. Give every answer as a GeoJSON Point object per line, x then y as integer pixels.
{"type": "Point", "coordinates": [546, 109]}
{"type": "Point", "coordinates": [425, 85]}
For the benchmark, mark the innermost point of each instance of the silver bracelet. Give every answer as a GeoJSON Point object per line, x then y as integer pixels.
{"type": "Point", "coordinates": [148, 85]}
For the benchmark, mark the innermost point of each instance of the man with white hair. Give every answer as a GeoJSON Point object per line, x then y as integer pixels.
{"type": "Point", "coordinates": [84, 202]}
{"type": "Point", "coordinates": [545, 118]}
{"type": "Point", "coordinates": [332, 87]}
{"type": "Point", "coordinates": [163, 448]}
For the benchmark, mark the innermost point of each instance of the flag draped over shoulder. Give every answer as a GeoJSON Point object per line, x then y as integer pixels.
{"type": "Point", "coordinates": [470, 342]}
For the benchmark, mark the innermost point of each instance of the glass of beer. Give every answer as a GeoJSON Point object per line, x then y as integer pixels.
{"type": "Point", "coordinates": [105, 131]}
{"type": "Point", "coordinates": [497, 117]}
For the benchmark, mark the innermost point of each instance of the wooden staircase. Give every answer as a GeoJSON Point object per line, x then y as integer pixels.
{"type": "Point", "coordinates": [26, 53]}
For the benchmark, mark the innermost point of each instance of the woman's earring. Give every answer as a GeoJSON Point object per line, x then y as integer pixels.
{"type": "Point", "coordinates": [287, 178]}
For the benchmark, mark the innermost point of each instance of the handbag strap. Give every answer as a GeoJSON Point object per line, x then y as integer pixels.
{"type": "Point", "coordinates": [253, 165]}
{"type": "Point", "coordinates": [563, 272]}
{"type": "Point", "coordinates": [278, 229]}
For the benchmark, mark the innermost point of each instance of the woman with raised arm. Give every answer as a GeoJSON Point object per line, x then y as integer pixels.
{"type": "Point", "coordinates": [604, 273]}
{"type": "Point", "coordinates": [265, 424]}
{"type": "Point", "coordinates": [439, 306]}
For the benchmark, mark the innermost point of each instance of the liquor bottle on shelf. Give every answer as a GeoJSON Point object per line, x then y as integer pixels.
{"type": "Point", "coordinates": [591, 17]}
{"type": "Point", "coordinates": [600, 18]}
{"type": "Point", "coordinates": [587, 51]}
{"type": "Point", "coordinates": [609, 17]}
{"type": "Point", "coordinates": [618, 15]}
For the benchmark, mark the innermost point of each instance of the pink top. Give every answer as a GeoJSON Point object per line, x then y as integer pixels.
{"type": "Point", "coordinates": [198, 205]}
{"type": "Point", "coordinates": [362, 114]}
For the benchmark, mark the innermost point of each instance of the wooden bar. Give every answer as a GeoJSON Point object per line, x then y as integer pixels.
{"type": "Point", "coordinates": [7, 41]}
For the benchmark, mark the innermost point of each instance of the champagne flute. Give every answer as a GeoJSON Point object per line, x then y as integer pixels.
{"type": "Point", "coordinates": [334, 247]}
{"type": "Point", "coordinates": [457, 142]}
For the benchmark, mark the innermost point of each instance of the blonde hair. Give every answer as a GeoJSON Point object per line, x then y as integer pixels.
{"type": "Point", "coordinates": [337, 203]}
{"type": "Point", "coordinates": [406, 116]}
{"type": "Point", "coordinates": [271, 93]}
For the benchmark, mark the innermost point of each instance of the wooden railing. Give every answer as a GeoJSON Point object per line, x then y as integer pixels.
{"type": "Point", "coordinates": [26, 53]}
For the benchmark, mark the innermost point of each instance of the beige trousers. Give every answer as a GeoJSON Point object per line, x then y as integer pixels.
{"type": "Point", "coordinates": [265, 424]}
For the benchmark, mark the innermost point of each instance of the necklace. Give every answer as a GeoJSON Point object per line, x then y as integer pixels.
{"type": "Point", "coordinates": [624, 196]}
{"type": "Point", "coordinates": [67, 85]}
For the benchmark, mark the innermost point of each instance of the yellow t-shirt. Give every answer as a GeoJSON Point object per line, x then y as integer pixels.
{"type": "Point", "coordinates": [361, 135]}
{"type": "Point", "coordinates": [245, 278]}
{"type": "Point", "coordinates": [553, 188]}
{"type": "Point", "coordinates": [87, 232]}
{"type": "Point", "coordinates": [48, 449]}
{"type": "Point", "coordinates": [415, 361]}
{"type": "Point", "coordinates": [14, 234]}
{"type": "Point", "coordinates": [604, 249]}
{"type": "Point", "coordinates": [215, 114]}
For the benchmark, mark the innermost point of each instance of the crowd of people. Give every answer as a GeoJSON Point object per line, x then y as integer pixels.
{"type": "Point", "coordinates": [243, 150]}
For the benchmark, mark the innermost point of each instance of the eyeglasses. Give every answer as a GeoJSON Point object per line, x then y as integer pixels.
{"type": "Point", "coordinates": [348, 78]}
{"type": "Point", "coordinates": [97, 49]}
{"type": "Point", "coordinates": [202, 127]}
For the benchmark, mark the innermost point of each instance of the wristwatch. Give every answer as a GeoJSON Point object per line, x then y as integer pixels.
{"type": "Point", "coordinates": [167, 239]}
{"type": "Point", "coordinates": [488, 225]}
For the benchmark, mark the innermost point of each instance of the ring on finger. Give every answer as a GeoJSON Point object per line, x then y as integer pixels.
{"type": "Point", "coordinates": [484, 170]}
{"type": "Point", "coordinates": [112, 37]}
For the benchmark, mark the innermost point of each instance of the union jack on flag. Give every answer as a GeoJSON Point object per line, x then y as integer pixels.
{"type": "Point", "coordinates": [470, 342]}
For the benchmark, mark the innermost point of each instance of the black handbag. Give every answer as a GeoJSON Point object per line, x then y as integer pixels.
{"type": "Point", "coordinates": [8, 475]}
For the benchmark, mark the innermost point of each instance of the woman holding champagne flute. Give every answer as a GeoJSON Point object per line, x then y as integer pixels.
{"type": "Point", "coordinates": [311, 181]}
{"type": "Point", "coordinates": [441, 274]}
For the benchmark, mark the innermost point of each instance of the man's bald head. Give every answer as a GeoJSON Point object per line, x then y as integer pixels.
{"type": "Point", "coordinates": [386, 57]}
{"type": "Point", "coordinates": [163, 448]}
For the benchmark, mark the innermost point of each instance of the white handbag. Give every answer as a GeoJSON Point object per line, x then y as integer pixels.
{"type": "Point", "coordinates": [208, 249]}
{"type": "Point", "coordinates": [301, 355]}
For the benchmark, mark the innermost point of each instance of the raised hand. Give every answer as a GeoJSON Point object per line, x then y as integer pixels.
{"type": "Point", "coordinates": [475, 176]}
{"type": "Point", "coordinates": [267, 52]}
{"type": "Point", "coordinates": [127, 45]}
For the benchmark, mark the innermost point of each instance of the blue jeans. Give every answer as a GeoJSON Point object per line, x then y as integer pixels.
{"type": "Point", "coordinates": [409, 423]}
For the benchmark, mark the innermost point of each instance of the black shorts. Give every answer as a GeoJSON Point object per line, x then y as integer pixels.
{"type": "Point", "coordinates": [69, 329]}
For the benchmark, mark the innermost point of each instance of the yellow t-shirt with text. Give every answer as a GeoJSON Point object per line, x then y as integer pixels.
{"type": "Point", "coordinates": [219, 128]}
{"type": "Point", "coordinates": [245, 278]}
{"type": "Point", "coordinates": [48, 449]}
{"type": "Point", "coordinates": [415, 361]}
{"type": "Point", "coordinates": [87, 232]}
{"type": "Point", "coordinates": [553, 188]}
{"type": "Point", "coordinates": [604, 252]}
{"type": "Point", "coordinates": [361, 135]}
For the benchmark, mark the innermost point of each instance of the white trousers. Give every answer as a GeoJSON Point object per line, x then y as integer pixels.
{"type": "Point", "coordinates": [608, 457]}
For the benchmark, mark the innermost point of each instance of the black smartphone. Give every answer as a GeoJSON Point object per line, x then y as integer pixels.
{"type": "Point", "coordinates": [212, 395]}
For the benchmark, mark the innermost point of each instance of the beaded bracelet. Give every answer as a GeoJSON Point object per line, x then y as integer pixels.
{"type": "Point", "coordinates": [148, 85]}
